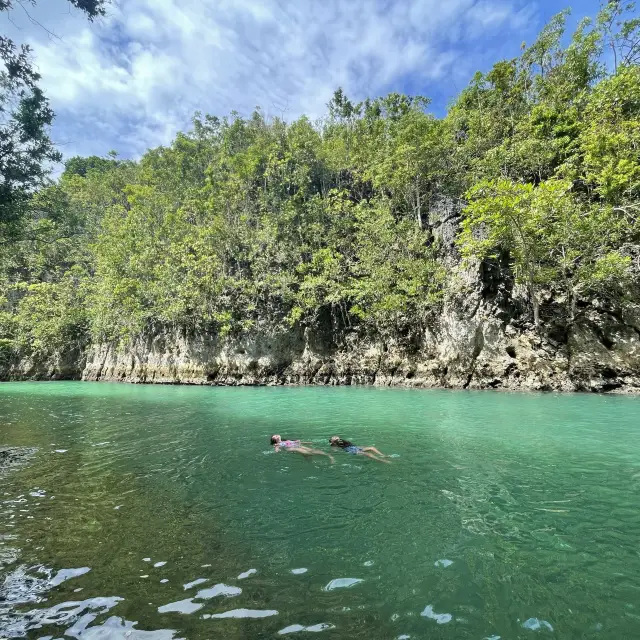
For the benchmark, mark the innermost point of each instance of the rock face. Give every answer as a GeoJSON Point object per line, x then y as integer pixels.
{"type": "Point", "coordinates": [469, 348]}
{"type": "Point", "coordinates": [481, 338]}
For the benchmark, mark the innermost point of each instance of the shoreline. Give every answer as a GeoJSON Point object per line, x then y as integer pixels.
{"type": "Point", "coordinates": [415, 385]}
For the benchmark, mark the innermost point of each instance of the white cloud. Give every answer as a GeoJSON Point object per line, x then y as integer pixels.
{"type": "Point", "coordinates": [133, 79]}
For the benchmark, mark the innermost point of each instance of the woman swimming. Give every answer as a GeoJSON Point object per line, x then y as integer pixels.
{"type": "Point", "coordinates": [349, 447]}
{"type": "Point", "coordinates": [296, 446]}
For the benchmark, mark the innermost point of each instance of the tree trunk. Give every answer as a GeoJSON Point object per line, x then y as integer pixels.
{"type": "Point", "coordinates": [534, 302]}
{"type": "Point", "coordinates": [419, 204]}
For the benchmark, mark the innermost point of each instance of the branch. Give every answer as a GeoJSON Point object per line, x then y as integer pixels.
{"type": "Point", "coordinates": [52, 35]}
{"type": "Point", "coordinates": [37, 238]}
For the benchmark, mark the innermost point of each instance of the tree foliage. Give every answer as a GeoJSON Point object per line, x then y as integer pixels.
{"type": "Point", "coordinates": [249, 222]}
{"type": "Point", "coordinates": [26, 151]}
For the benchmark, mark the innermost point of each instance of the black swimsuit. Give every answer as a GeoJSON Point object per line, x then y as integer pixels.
{"type": "Point", "coordinates": [349, 447]}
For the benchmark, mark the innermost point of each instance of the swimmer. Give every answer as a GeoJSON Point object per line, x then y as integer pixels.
{"type": "Point", "coordinates": [297, 446]}
{"type": "Point", "coordinates": [349, 447]}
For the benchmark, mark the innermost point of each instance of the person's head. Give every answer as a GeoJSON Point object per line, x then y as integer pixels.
{"type": "Point", "coordinates": [275, 439]}
{"type": "Point", "coordinates": [334, 440]}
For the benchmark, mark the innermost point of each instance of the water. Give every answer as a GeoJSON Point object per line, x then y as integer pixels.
{"type": "Point", "coordinates": [155, 513]}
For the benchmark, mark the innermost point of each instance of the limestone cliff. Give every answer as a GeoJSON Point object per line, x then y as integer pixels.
{"type": "Point", "coordinates": [480, 338]}
{"type": "Point", "coordinates": [470, 348]}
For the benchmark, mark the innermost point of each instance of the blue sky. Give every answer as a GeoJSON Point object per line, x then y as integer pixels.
{"type": "Point", "coordinates": [133, 79]}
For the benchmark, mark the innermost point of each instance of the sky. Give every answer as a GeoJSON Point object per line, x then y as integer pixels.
{"type": "Point", "coordinates": [133, 79]}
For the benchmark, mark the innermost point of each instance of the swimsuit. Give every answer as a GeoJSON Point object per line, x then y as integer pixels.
{"type": "Point", "coordinates": [347, 446]}
{"type": "Point", "coordinates": [290, 444]}
{"type": "Point", "coordinates": [353, 449]}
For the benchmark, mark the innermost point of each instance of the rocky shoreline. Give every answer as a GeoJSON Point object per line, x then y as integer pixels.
{"type": "Point", "coordinates": [469, 347]}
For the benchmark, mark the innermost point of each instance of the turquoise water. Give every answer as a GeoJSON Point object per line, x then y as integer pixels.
{"type": "Point", "coordinates": [501, 515]}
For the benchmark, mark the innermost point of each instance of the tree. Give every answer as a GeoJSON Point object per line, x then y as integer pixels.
{"type": "Point", "coordinates": [622, 36]}
{"type": "Point", "coordinates": [552, 238]}
{"type": "Point", "coordinates": [25, 147]}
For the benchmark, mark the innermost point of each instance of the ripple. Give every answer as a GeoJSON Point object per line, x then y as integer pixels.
{"type": "Point", "coordinates": [66, 574]}
{"type": "Point", "coordinates": [297, 628]}
{"type": "Point", "coordinates": [244, 613]}
{"type": "Point", "coordinates": [79, 613]}
{"type": "Point", "coordinates": [115, 628]}
{"type": "Point", "coordinates": [440, 618]}
{"type": "Point", "coordinates": [218, 590]}
{"type": "Point", "coordinates": [443, 563]}
{"type": "Point", "coordinates": [194, 583]}
{"type": "Point", "coordinates": [533, 624]}
{"type": "Point", "coordinates": [181, 606]}
{"type": "Point", "coordinates": [342, 583]}
{"type": "Point", "coordinates": [246, 574]}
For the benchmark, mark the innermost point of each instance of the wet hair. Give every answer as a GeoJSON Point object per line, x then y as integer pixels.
{"type": "Point", "coordinates": [334, 438]}
{"type": "Point", "coordinates": [274, 439]}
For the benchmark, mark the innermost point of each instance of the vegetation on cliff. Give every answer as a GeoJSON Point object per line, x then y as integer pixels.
{"type": "Point", "coordinates": [243, 221]}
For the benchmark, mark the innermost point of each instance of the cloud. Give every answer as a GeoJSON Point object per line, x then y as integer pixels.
{"type": "Point", "coordinates": [133, 79]}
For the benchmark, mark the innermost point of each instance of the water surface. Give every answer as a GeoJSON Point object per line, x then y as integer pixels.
{"type": "Point", "coordinates": [155, 513]}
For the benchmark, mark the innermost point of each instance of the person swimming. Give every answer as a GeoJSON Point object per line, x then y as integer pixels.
{"type": "Point", "coordinates": [297, 446]}
{"type": "Point", "coordinates": [349, 447]}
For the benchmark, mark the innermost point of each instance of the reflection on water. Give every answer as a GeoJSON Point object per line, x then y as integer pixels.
{"type": "Point", "coordinates": [342, 583]}
{"type": "Point", "coordinates": [152, 513]}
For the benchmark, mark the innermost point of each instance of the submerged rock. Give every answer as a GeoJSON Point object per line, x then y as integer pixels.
{"type": "Point", "coordinates": [11, 457]}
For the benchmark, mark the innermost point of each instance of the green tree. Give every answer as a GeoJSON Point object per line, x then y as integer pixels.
{"type": "Point", "coordinates": [25, 146]}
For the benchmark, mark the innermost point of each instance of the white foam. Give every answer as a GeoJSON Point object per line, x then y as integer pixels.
{"type": "Point", "coordinates": [297, 572]}
{"type": "Point", "coordinates": [160, 564]}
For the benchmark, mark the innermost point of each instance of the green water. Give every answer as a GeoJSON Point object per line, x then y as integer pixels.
{"type": "Point", "coordinates": [501, 515]}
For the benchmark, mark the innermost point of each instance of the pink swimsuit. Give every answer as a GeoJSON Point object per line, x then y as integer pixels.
{"type": "Point", "coordinates": [290, 443]}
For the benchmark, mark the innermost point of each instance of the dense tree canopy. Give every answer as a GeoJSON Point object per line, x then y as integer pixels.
{"type": "Point", "coordinates": [243, 222]}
